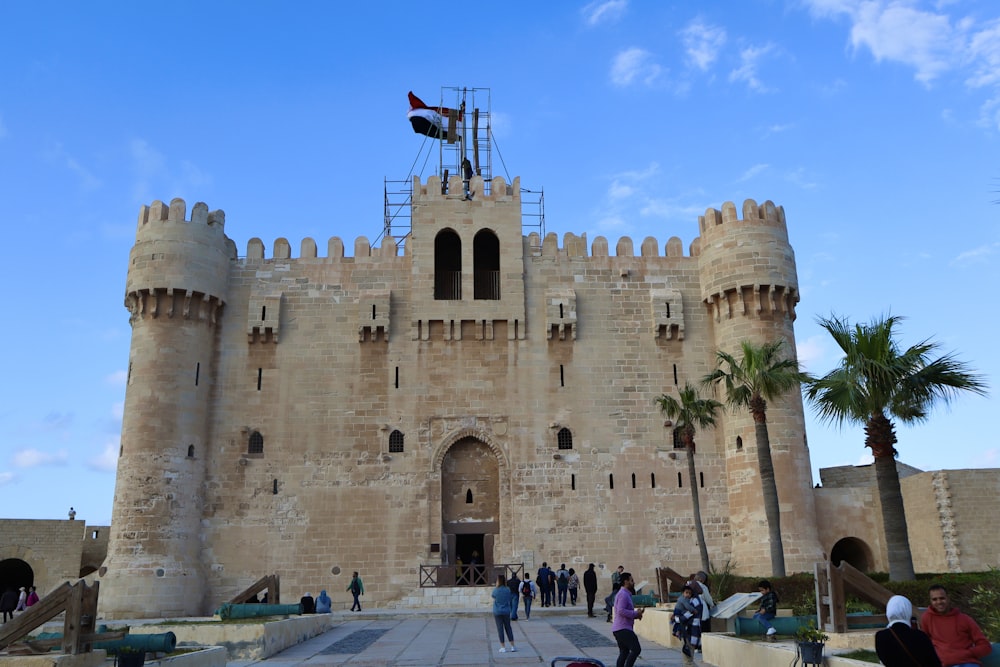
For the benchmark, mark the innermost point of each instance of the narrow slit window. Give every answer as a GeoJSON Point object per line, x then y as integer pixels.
{"type": "Point", "coordinates": [561, 311]}
{"type": "Point", "coordinates": [397, 377]}
{"type": "Point", "coordinates": [260, 377]}
{"type": "Point", "coordinates": [668, 309]}
{"type": "Point", "coordinates": [197, 373]}
{"type": "Point", "coordinates": [190, 451]}
{"type": "Point", "coordinates": [373, 311]}
{"type": "Point", "coordinates": [675, 374]}
{"type": "Point", "coordinates": [562, 376]}
{"type": "Point", "coordinates": [633, 480]}
{"type": "Point", "coordinates": [468, 497]}
{"type": "Point", "coordinates": [680, 481]}
{"type": "Point", "coordinates": [263, 312]}
{"type": "Point", "coordinates": [274, 487]}
{"type": "Point", "coordinates": [701, 479]}
{"type": "Point", "coordinates": [652, 480]}
{"type": "Point", "coordinates": [572, 482]}
{"type": "Point", "coordinates": [611, 480]}
{"type": "Point", "coordinates": [739, 442]}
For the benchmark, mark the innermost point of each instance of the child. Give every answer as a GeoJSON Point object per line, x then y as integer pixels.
{"type": "Point", "coordinates": [687, 620]}
{"type": "Point", "coordinates": [768, 607]}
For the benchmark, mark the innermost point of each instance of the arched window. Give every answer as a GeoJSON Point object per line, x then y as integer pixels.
{"type": "Point", "coordinates": [678, 439]}
{"type": "Point", "coordinates": [447, 266]}
{"type": "Point", "coordinates": [468, 496]}
{"type": "Point", "coordinates": [486, 265]}
{"type": "Point", "coordinates": [256, 443]}
{"type": "Point", "coordinates": [565, 439]}
{"type": "Point", "coordinates": [395, 442]}
{"type": "Point", "coordinates": [190, 451]}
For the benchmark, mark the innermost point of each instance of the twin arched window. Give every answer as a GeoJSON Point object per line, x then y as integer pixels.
{"type": "Point", "coordinates": [448, 265]}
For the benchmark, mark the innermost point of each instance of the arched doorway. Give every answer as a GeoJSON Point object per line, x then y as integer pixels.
{"type": "Point", "coordinates": [470, 509]}
{"type": "Point", "coordinates": [15, 573]}
{"type": "Point", "coordinates": [854, 551]}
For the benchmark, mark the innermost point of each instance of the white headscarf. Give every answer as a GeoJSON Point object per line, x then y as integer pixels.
{"type": "Point", "coordinates": [898, 610]}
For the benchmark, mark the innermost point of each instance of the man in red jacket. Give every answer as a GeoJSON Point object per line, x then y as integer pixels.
{"type": "Point", "coordinates": [957, 639]}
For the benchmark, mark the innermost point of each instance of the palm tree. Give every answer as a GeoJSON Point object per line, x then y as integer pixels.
{"type": "Point", "coordinates": [762, 374]}
{"type": "Point", "coordinates": [875, 383]}
{"type": "Point", "coordinates": [687, 413]}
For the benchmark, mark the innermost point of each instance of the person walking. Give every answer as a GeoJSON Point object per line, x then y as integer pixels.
{"type": "Point", "coordinates": [501, 613]}
{"type": "Point", "coordinates": [528, 593]}
{"type": "Point", "coordinates": [357, 589]}
{"type": "Point", "coordinates": [8, 602]}
{"type": "Point", "coordinates": [22, 600]}
{"type": "Point", "coordinates": [624, 621]}
{"type": "Point", "coordinates": [32, 597]}
{"type": "Point", "coordinates": [574, 586]}
{"type": "Point", "coordinates": [900, 644]}
{"type": "Point", "coordinates": [590, 586]}
{"type": "Point", "coordinates": [562, 583]}
{"type": "Point", "coordinates": [514, 584]}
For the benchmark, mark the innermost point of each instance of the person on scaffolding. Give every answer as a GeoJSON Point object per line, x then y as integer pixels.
{"type": "Point", "coordinates": [466, 177]}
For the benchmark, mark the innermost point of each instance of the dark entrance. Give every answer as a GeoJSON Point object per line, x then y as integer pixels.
{"type": "Point", "coordinates": [15, 573]}
{"type": "Point", "coordinates": [469, 548]}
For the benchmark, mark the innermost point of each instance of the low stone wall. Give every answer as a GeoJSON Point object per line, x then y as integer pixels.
{"type": "Point", "coordinates": [455, 597]}
{"type": "Point", "coordinates": [245, 641]}
{"type": "Point", "coordinates": [92, 659]}
{"type": "Point", "coordinates": [210, 656]}
{"type": "Point", "coordinates": [728, 651]}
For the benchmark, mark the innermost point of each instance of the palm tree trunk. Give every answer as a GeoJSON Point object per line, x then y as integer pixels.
{"type": "Point", "coordinates": [696, 505]}
{"type": "Point", "coordinates": [881, 437]}
{"type": "Point", "coordinates": [772, 511]}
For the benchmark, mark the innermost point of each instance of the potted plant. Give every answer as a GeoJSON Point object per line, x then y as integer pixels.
{"type": "Point", "coordinates": [810, 640]}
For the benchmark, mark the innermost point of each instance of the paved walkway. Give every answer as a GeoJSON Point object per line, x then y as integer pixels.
{"type": "Point", "coordinates": [463, 640]}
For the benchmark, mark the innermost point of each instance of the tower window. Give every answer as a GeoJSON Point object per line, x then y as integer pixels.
{"type": "Point", "coordinates": [739, 442]}
{"type": "Point", "coordinates": [652, 480]}
{"type": "Point", "coordinates": [611, 480]}
{"type": "Point", "coordinates": [256, 443]}
{"type": "Point", "coordinates": [395, 442]}
{"type": "Point", "coordinates": [572, 482]}
{"type": "Point", "coordinates": [680, 481]}
{"type": "Point", "coordinates": [678, 439]}
{"type": "Point", "coordinates": [565, 439]}
{"type": "Point", "coordinates": [633, 480]}
{"type": "Point", "coordinates": [190, 451]}
{"type": "Point", "coordinates": [486, 265]}
{"type": "Point", "coordinates": [447, 266]}
{"type": "Point", "coordinates": [468, 497]}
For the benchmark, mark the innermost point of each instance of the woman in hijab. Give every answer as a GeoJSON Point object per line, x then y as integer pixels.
{"type": "Point", "coordinates": [900, 644]}
{"type": "Point", "coordinates": [323, 603]}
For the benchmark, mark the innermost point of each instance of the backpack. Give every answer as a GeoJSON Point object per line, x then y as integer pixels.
{"type": "Point", "coordinates": [563, 579]}
{"type": "Point", "coordinates": [526, 589]}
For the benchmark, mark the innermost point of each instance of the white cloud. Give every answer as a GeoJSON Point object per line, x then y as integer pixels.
{"type": "Point", "coordinates": [619, 190]}
{"type": "Point", "coordinates": [984, 52]}
{"type": "Point", "coordinates": [634, 65]}
{"type": "Point", "coordinates": [811, 352]}
{"type": "Point", "coordinates": [702, 43]}
{"type": "Point", "coordinates": [118, 410]}
{"type": "Point", "coordinates": [777, 128]}
{"type": "Point", "coordinates": [661, 208]}
{"type": "Point", "coordinates": [117, 378]}
{"type": "Point", "coordinates": [606, 11]}
{"type": "Point", "coordinates": [6, 478]}
{"type": "Point", "coordinates": [107, 460]}
{"type": "Point", "coordinates": [32, 458]}
{"type": "Point", "coordinates": [899, 33]}
{"type": "Point", "coordinates": [59, 155]}
{"type": "Point", "coordinates": [799, 178]}
{"type": "Point", "coordinates": [747, 71]}
{"type": "Point", "coordinates": [977, 254]}
{"type": "Point", "coordinates": [866, 459]}
{"type": "Point", "coordinates": [751, 172]}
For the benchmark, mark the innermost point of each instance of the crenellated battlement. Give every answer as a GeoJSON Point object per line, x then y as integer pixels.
{"type": "Point", "coordinates": [766, 213]}
{"type": "Point", "coordinates": [500, 190]}
{"type": "Point", "coordinates": [572, 246]}
{"type": "Point", "coordinates": [176, 212]}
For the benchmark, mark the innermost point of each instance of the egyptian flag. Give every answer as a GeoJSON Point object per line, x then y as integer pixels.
{"type": "Point", "coordinates": [432, 121]}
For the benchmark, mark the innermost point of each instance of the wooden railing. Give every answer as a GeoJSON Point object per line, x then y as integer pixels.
{"type": "Point", "coordinates": [832, 586]}
{"type": "Point", "coordinates": [434, 576]}
{"type": "Point", "coordinates": [78, 601]}
{"type": "Point", "coordinates": [270, 583]}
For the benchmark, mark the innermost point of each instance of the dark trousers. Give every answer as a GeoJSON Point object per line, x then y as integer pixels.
{"type": "Point", "coordinates": [591, 596]}
{"type": "Point", "coordinates": [562, 596]}
{"type": "Point", "coordinates": [572, 596]}
{"type": "Point", "coordinates": [628, 648]}
{"type": "Point", "coordinates": [357, 602]}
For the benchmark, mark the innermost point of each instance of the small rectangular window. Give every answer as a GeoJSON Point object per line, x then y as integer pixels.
{"type": "Point", "coordinates": [260, 377]}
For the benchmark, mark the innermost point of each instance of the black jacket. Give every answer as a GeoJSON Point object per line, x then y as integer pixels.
{"type": "Point", "coordinates": [892, 654]}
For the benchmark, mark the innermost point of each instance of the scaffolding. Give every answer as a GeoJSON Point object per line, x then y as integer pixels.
{"type": "Point", "coordinates": [467, 133]}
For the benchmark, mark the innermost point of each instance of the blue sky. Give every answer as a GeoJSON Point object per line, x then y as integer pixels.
{"type": "Point", "coordinates": [876, 124]}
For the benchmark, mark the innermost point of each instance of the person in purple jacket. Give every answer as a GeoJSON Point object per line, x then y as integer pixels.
{"type": "Point", "coordinates": [624, 620]}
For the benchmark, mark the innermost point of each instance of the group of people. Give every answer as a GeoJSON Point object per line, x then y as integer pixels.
{"type": "Point", "coordinates": [14, 601]}
{"type": "Point", "coordinates": [945, 638]}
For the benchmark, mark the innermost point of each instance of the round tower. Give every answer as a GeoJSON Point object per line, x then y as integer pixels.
{"type": "Point", "coordinates": [750, 287]}
{"type": "Point", "coordinates": [176, 287]}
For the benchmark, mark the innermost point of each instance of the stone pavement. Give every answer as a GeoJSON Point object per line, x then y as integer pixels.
{"type": "Point", "coordinates": [392, 639]}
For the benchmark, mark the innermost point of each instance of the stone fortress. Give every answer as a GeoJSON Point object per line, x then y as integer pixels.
{"type": "Point", "coordinates": [478, 390]}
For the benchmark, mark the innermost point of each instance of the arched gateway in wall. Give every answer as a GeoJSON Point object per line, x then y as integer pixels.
{"type": "Point", "coordinates": [470, 500]}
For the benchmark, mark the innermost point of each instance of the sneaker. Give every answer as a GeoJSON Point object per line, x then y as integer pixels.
{"type": "Point", "coordinates": [771, 631]}
{"type": "Point", "coordinates": [513, 649]}
{"type": "Point", "coordinates": [503, 650]}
